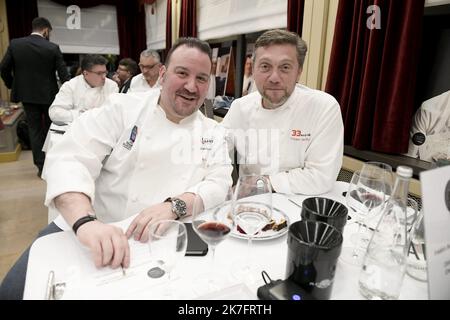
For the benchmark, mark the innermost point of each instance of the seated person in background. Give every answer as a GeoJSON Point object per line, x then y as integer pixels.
{"type": "Point", "coordinates": [134, 156]}
{"type": "Point", "coordinates": [126, 70]}
{"type": "Point", "coordinates": [430, 130]}
{"type": "Point", "coordinates": [212, 82]}
{"type": "Point", "coordinates": [248, 85]}
{"type": "Point", "coordinates": [86, 91]}
{"type": "Point", "coordinates": [150, 64]}
{"type": "Point", "coordinates": [291, 133]}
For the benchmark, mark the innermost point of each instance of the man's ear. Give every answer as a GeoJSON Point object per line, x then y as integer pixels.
{"type": "Point", "coordinates": [162, 72]}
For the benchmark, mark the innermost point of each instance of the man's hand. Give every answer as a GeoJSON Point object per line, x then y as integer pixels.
{"type": "Point", "coordinates": [108, 244]}
{"type": "Point", "coordinates": [139, 225]}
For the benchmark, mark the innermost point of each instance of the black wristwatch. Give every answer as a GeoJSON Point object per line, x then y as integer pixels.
{"type": "Point", "coordinates": [178, 207]}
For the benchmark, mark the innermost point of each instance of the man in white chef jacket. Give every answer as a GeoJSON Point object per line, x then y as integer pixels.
{"type": "Point", "coordinates": [430, 130]}
{"type": "Point", "coordinates": [137, 155]}
{"type": "Point", "coordinates": [286, 131]}
{"type": "Point", "coordinates": [84, 92]}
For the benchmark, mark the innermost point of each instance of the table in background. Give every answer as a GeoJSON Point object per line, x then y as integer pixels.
{"type": "Point", "coordinates": [10, 114]}
{"type": "Point", "coordinates": [62, 253]}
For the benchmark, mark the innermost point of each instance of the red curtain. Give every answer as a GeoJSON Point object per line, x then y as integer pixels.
{"type": "Point", "coordinates": [20, 14]}
{"type": "Point", "coordinates": [372, 72]}
{"type": "Point", "coordinates": [295, 16]}
{"type": "Point", "coordinates": [188, 19]}
{"type": "Point", "coordinates": [168, 27]}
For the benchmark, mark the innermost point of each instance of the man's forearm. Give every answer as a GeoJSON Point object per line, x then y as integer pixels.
{"type": "Point", "coordinates": [73, 206]}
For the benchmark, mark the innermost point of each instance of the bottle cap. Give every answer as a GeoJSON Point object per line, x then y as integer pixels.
{"type": "Point", "coordinates": [404, 171]}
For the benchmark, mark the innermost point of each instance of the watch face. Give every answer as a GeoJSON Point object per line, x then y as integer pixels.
{"type": "Point", "coordinates": [180, 207]}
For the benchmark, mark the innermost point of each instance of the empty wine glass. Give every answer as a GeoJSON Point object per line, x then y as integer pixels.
{"type": "Point", "coordinates": [212, 222]}
{"type": "Point", "coordinates": [366, 197]}
{"type": "Point", "coordinates": [167, 243]}
{"type": "Point", "coordinates": [380, 169]}
{"type": "Point", "coordinates": [252, 212]}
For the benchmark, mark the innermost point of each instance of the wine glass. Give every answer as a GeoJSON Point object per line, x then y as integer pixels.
{"type": "Point", "coordinates": [366, 197]}
{"type": "Point", "coordinates": [252, 212]}
{"type": "Point", "coordinates": [380, 169]}
{"type": "Point", "coordinates": [167, 243]}
{"type": "Point", "coordinates": [213, 222]}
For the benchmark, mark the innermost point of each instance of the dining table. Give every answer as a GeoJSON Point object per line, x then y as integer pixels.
{"type": "Point", "coordinates": [59, 261]}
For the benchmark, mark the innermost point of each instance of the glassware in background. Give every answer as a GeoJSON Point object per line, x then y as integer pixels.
{"type": "Point", "coordinates": [365, 197]}
{"type": "Point", "coordinates": [380, 169]}
{"type": "Point", "coordinates": [252, 211]}
{"type": "Point", "coordinates": [167, 243]}
{"type": "Point", "coordinates": [384, 264]}
{"type": "Point", "coordinates": [213, 225]}
{"type": "Point", "coordinates": [416, 263]}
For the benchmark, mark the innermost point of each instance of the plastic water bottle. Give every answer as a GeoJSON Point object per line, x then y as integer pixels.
{"type": "Point", "coordinates": [384, 264]}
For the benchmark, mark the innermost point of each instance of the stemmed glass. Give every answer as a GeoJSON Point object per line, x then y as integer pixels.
{"type": "Point", "coordinates": [167, 243]}
{"type": "Point", "coordinates": [382, 171]}
{"type": "Point", "coordinates": [366, 197]}
{"type": "Point", "coordinates": [375, 168]}
{"type": "Point", "coordinates": [212, 222]}
{"type": "Point", "coordinates": [252, 211]}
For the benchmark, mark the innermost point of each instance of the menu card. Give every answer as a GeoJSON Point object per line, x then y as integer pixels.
{"type": "Point", "coordinates": [435, 186]}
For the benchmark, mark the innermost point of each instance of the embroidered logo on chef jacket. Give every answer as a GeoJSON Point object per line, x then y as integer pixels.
{"type": "Point", "coordinates": [129, 143]}
{"type": "Point", "coordinates": [296, 134]}
{"type": "Point", "coordinates": [207, 143]}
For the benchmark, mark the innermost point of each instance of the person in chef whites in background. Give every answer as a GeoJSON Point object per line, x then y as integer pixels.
{"type": "Point", "coordinates": [130, 158]}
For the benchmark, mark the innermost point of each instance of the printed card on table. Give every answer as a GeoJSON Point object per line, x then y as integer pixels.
{"type": "Point", "coordinates": [435, 186]}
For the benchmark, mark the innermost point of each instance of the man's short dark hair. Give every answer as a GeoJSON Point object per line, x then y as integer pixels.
{"type": "Point", "coordinates": [40, 23]}
{"type": "Point", "coordinates": [279, 36]}
{"type": "Point", "coordinates": [190, 42]}
{"type": "Point", "coordinates": [130, 64]}
{"type": "Point", "coordinates": [91, 60]}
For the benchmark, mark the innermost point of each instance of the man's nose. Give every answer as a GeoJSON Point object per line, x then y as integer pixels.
{"type": "Point", "coordinates": [274, 76]}
{"type": "Point", "coordinates": [190, 84]}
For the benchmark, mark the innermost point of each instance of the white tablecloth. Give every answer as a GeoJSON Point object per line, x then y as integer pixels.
{"type": "Point", "coordinates": [62, 253]}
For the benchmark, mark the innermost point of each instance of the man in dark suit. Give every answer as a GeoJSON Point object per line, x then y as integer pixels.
{"type": "Point", "coordinates": [28, 69]}
{"type": "Point", "coordinates": [126, 70]}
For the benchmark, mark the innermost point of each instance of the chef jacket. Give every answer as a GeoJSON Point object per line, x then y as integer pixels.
{"type": "Point", "coordinates": [430, 130]}
{"type": "Point", "coordinates": [127, 156]}
{"type": "Point", "coordinates": [139, 84]}
{"type": "Point", "coordinates": [299, 144]}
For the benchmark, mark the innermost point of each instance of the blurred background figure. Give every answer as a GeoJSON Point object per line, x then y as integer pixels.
{"type": "Point", "coordinates": [86, 91]}
{"type": "Point", "coordinates": [430, 130]}
{"type": "Point", "coordinates": [149, 63]}
{"type": "Point", "coordinates": [248, 85]}
{"type": "Point", "coordinates": [29, 69]}
{"type": "Point", "coordinates": [126, 70]}
{"type": "Point", "coordinates": [212, 81]}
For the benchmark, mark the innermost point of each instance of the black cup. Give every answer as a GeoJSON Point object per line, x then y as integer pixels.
{"type": "Point", "coordinates": [325, 210]}
{"type": "Point", "coordinates": [313, 251]}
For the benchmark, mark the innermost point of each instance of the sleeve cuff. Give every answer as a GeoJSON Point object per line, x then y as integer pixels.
{"type": "Point", "coordinates": [280, 182]}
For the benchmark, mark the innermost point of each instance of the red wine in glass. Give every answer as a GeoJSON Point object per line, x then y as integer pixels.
{"type": "Point", "coordinates": [212, 232]}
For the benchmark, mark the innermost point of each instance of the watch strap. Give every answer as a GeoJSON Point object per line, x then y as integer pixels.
{"type": "Point", "coordinates": [82, 221]}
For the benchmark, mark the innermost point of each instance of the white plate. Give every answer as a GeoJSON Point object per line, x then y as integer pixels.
{"type": "Point", "coordinates": [277, 215]}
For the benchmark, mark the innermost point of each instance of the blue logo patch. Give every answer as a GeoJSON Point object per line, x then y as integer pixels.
{"type": "Point", "coordinates": [129, 144]}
